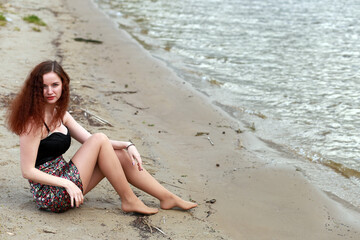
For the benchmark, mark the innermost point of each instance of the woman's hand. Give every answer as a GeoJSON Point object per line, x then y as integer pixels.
{"type": "Point", "coordinates": [75, 194]}
{"type": "Point", "coordinates": [135, 156]}
{"type": "Point", "coordinates": [132, 151]}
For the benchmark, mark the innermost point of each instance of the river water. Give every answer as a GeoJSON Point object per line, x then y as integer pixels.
{"type": "Point", "coordinates": [289, 70]}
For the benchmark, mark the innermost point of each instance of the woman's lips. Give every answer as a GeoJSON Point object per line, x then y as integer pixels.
{"type": "Point", "coordinates": [50, 98]}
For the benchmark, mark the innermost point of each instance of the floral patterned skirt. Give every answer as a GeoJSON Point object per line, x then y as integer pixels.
{"type": "Point", "coordinates": [53, 198]}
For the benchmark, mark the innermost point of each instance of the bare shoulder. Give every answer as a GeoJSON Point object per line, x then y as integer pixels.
{"type": "Point", "coordinates": [32, 133]}
{"type": "Point", "coordinates": [76, 130]}
{"type": "Point", "coordinates": [67, 117]}
{"type": "Point", "coordinates": [70, 122]}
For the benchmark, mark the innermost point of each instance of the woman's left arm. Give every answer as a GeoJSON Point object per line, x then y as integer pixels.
{"type": "Point", "coordinates": [132, 151]}
{"type": "Point", "coordinates": [119, 145]}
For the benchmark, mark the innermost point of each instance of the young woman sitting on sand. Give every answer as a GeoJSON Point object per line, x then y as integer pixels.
{"type": "Point", "coordinates": [38, 115]}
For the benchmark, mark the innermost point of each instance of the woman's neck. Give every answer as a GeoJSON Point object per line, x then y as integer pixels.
{"type": "Point", "coordinates": [49, 112]}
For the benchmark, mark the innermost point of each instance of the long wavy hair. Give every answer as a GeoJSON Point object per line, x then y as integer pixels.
{"type": "Point", "coordinates": [27, 110]}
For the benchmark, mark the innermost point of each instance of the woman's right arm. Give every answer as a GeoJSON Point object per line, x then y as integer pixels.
{"type": "Point", "coordinates": [29, 144]}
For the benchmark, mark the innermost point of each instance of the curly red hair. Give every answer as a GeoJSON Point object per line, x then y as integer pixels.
{"type": "Point", "coordinates": [27, 109]}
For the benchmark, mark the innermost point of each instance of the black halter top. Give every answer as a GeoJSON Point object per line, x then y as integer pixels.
{"type": "Point", "coordinates": [53, 146]}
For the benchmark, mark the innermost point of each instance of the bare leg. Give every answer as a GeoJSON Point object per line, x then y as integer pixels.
{"type": "Point", "coordinates": [147, 183]}
{"type": "Point", "coordinates": [97, 154]}
{"type": "Point", "coordinates": [95, 179]}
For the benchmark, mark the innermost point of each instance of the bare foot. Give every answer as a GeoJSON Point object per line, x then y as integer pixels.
{"type": "Point", "coordinates": [174, 201]}
{"type": "Point", "coordinates": [137, 206]}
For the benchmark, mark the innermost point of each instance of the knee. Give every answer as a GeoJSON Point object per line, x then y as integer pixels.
{"type": "Point", "coordinates": [99, 137]}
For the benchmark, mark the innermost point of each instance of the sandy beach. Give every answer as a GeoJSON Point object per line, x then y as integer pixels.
{"type": "Point", "coordinates": [191, 147]}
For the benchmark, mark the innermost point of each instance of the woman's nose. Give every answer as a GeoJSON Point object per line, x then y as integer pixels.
{"type": "Point", "coordinates": [49, 90]}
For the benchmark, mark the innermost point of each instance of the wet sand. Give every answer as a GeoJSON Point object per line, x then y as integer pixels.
{"type": "Point", "coordinates": [119, 89]}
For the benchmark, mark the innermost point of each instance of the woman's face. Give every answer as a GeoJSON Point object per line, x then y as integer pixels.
{"type": "Point", "coordinates": [52, 87]}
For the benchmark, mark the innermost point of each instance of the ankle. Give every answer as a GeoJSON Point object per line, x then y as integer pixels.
{"type": "Point", "coordinates": [129, 197]}
{"type": "Point", "coordinates": [167, 197]}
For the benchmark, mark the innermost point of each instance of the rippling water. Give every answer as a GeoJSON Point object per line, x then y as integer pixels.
{"type": "Point", "coordinates": [289, 68]}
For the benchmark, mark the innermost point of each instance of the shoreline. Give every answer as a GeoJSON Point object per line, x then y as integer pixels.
{"type": "Point", "coordinates": [253, 200]}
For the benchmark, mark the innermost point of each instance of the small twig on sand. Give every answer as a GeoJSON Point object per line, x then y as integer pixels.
{"type": "Point", "coordinates": [148, 224]}
{"type": "Point", "coordinates": [103, 121]}
{"type": "Point", "coordinates": [144, 224]}
{"type": "Point", "coordinates": [119, 92]}
{"type": "Point", "coordinates": [79, 39]}
{"type": "Point", "coordinates": [201, 133]}
{"type": "Point", "coordinates": [161, 231]}
{"type": "Point", "coordinates": [132, 105]}
{"type": "Point", "coordinates": [211, 142]}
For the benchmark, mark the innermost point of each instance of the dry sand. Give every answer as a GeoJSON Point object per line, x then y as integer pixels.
{"type": "Point", "coordinates": [146, 102]}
